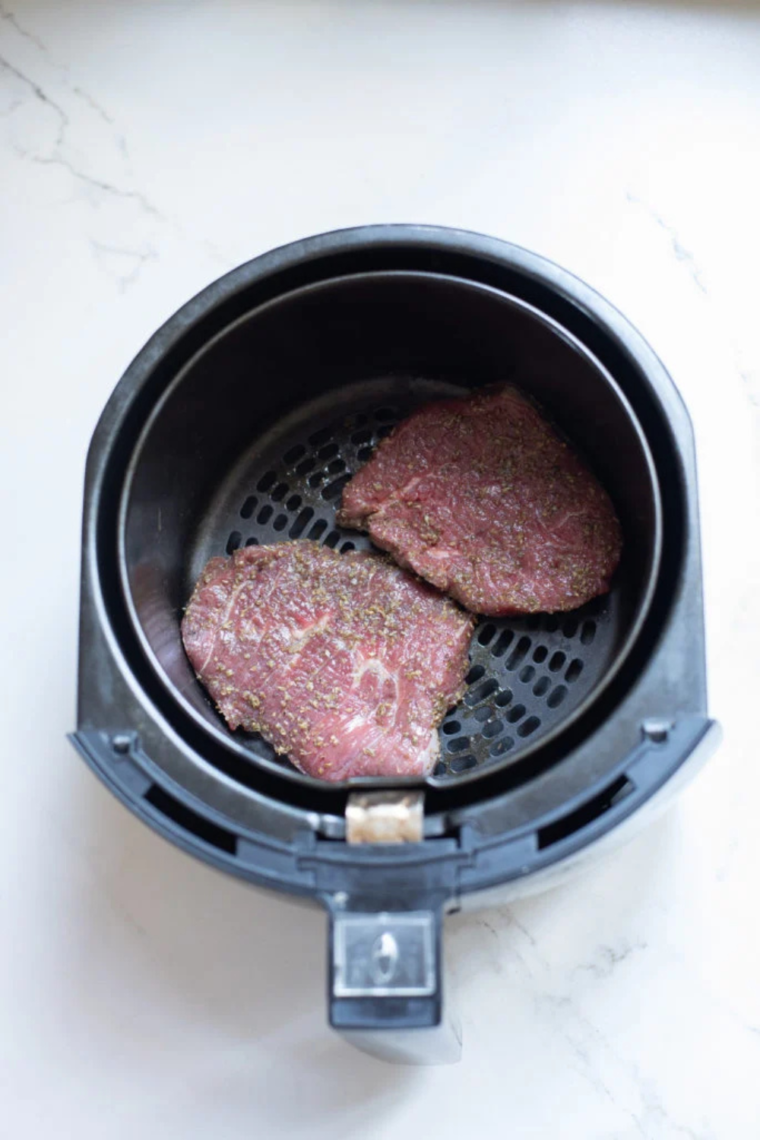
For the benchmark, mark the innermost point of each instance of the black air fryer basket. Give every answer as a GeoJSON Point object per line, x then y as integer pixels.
{"type": "Point", "coordinates": [239, 423]}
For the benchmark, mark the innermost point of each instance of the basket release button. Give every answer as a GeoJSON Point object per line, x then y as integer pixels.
{"type": "Point", "coordinates": [384, 955]}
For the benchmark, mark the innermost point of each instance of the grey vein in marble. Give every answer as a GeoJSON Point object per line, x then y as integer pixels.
{"type": "Point", "coordinates": [10, 18]}
{"type": "Point", "coordinates": [65, 123]}
{"type": "Point", "coordinates": [682, 254]}
{"type": "Point", "coordinates": [58, 153]}
{"type": "Point", "coordinates": [608, 957]}
{"type": "Point", "coordinates": [110, 257]}
{"type": "Point", "coordinates": [96, 183]}
{"type": "Point", "coordinates": [41, 95]}
{"type": "Point", "coordinates": [614, 1077]}
{"type": "Point", "coordinates": [88, 99]}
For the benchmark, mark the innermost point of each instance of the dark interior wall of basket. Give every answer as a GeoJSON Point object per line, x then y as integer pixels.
{"type": "Point", "coordinates": [257, 436]}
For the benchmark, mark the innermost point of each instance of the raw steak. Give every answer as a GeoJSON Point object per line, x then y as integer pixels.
{"type": "Point", "coordinates": [482, 498]}
{"type": "Point", "coordinates": [343, 662]}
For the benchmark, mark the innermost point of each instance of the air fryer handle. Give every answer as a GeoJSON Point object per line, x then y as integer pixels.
{"type": "Point", "coordinates": [386, 992]}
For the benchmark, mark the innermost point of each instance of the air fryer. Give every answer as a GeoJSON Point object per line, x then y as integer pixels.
{"type": "Point", "coordinates": [239, 423]}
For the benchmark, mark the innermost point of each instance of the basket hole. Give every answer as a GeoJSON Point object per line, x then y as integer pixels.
{"type": "Point", "coordinates": [361, 436]}
{"type": "Point", "coordinates": [248, 507]}
{"type": "Point", "coordinates": [385, 414]}
{"type": "Point", "coordinates": [332, 539]}
{"type": "Point", "coordinates": [303, 520]}
{"type": "Point", "coordinates": [319, 528]}
{"type": "Point", "coordinates": [517, 655]}
{"type": "Point", "coordinates": [266, 481]}
{"type": "Point", "coordinates": [502, 746]}
{"type": "Point", "coordinates": [533, 621]}
{"type": "Point", "coordinates": [503, 643]}
{"type": "Point", "coordinates": [504, 698]}
{"type": "Point", "coordinates": [363, 454]}
{"type": "Point", "coordinates": [574, 670]}
{"type": "Point", "coordinates": [570, 627]}
{"type": "Point", "coordinates": [385, 430]}
{"type": "Point", "coordinates": [320, 437]}
{"type": "Point", "coordinates": [492, 729]}
{"type": "Point", "coordinates": [542, 686]}
{"type": "Point", "coordinates": [265, 514]}
{"type": "Point", "coordinates": [316, 479]}
{"type": "Point", "coordinates": [306, 466]}
{"type": "Point", "coordinates": [475, 674]}
{"type": "Point", "coordinates": [462, 763]}
{"type": "Point", "coordinates": [233, 542]}
{"type": "Point", "coordinates": [451, 727]}
{"type": "Point", "coordinates": [588, 632]}
{"type": "Point", "coordinates": [556, 697]}
{"type": "Point", "coordinates": [280, 492]}
{"type": "Point", "coordinates": [458, 744]}
{"type": "Point", "coordinates": [294, 502]}
{"type": "Point", "coordinates": [328, 452]}
{"type": "Point", "coordinates": [540, 653]}
{"type": "Point", "coordinates": [486, 634]}
{"type": "Point", "coordinates": [440, 769]}
{"type": "Point", "coordinates": [516, 713]}
{"type": "Point", "coordinates": [487, 689]}
{"type": "Point", "coordinates": [529, 726]}
{"type": "Point", "coordinates": [346, 547]}
{"type": "Point", "coordinates": [332, 490]}
{"type": "Point", "coordinates": [294, 454]}
{"type": "Point", "coordinates": [482, 714]}
{"type": "Point", "coordinates": [252, 541]}
{"type": "Point", "coordinates": [527, 674]}
{"type": "Point", "coordinates": [280, 522]}
{"type": "Point", "coordinates": [335, 466]}
{"type": "Point", "coordinates": [551, 625]}
{"type": "Point", "coordinates": [557, 661]}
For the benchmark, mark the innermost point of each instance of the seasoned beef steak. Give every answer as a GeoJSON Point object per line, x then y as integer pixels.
{"type": "Point", "coordinates": [343, 662]}
{"type": "Point", "coordinates": [482, 498]}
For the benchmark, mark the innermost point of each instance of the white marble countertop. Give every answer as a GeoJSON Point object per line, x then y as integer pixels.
{"type": "Point", "coordinates": [144, 149]}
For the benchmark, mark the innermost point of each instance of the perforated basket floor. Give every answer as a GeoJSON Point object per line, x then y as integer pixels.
{"type": "Point", "coordinates": [527, 674]}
